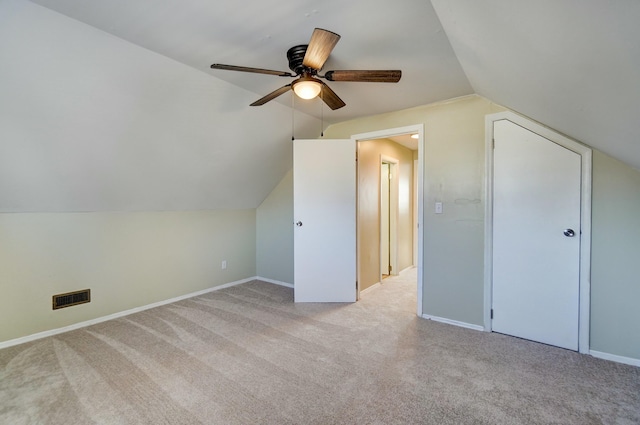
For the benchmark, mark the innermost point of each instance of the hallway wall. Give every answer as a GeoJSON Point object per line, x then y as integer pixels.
{"type": "Point", "coordinates": [369, 154]}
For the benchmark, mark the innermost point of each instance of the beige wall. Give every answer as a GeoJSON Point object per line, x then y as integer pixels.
{"type": "Point", "coordinates": [156, 256]}
{"type": "Point", "coordinates": [274, 238]}
{"type": "Point", "coordinates": [369, 154]}
{"type": "Point", "coordinates": [615, 258]}
{"type": "Point", "coordinates": [454, 175]}
{"type": "Point", "coordinates": [128, 260]}
{"type": "Point", "coordinates": [454, 241]}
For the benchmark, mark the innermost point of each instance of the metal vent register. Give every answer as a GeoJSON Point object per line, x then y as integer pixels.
{"type": "Point", "coordinates": [71, 298]}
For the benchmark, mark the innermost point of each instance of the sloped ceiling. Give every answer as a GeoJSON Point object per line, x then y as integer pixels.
{"type": "Point", "coordinates": [376, 34]}
{"type": "Point", "coordinates": [573, 65]}
{"type": "Point", "coordinates": [113, 105]}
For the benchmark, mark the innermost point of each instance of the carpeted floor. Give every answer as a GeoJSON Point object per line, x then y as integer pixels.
{"type": "Point", "coordinates": [249, 355]}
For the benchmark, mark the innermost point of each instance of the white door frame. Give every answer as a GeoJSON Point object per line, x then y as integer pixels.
{"type": "Point", "coordinates": [585, 218]}
{"type": "Point", "coordinates": [410, 129]}
{"type": "Point", "coordinates": [393, 216]}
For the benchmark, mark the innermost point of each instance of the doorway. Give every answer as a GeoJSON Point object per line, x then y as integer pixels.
{"type": "Point", "coordinates": [400, 256]}
{"type": "Point", "coordinates": [313, 216]}
{"type": "Point", "coordinates": [538, 233]}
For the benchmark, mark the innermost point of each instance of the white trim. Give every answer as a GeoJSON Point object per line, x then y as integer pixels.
{"type": "Point", "coordinates": [375, 285]}
{"type": "Point", "coordinates": [488, 222]}
{"type": "Point", "coordinates": [86, 323]}
{"type": "Point", "coordinates": [275, 282]}
{"type": "Point", "coordinates": [393, 217]}
{"type": "Point", "coordinates": [585, 218]}
{"type": "Point", "coordinates": [615, 358]}
{"type": "Point", "coordinates": [417, 128]}
{"type": "Point", "coordinates": [414, 212]}
{"type": "Point", "coordinates": [453, 322]}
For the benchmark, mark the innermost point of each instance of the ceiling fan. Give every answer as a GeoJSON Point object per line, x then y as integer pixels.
{"type": "Point", "coordinates": [306, 61]}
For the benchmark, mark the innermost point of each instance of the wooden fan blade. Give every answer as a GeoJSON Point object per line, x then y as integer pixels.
{"type": "Point", "coordinates": [254, 70]}
{"type": "Point", "coordinates": [320, 47]}
{"type": "Point", "coordinates": [330, 97]}
{"type": "Point", "coordinates": [391, 76]}
{"type": "Point", "coordinates": [272, 95]}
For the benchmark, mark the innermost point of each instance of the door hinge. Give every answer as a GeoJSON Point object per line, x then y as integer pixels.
{"type": "Point", "coordinates": [389, 268]}
{"type": "Point", "coordinates": [492, 313]}
{"type": "Point", "coordinates": [356, 156]}
{"type": "Point", "coordinates": [493, 143]}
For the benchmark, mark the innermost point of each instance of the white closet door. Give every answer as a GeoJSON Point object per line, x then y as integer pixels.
{"type": "Point", "coordinates": [536, 237]}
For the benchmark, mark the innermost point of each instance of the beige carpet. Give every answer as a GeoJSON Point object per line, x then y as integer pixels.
{"type": "Point", "coordinates": [248, 355]}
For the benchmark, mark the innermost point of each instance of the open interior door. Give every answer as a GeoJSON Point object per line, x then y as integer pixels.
{"type": "Point", "coordinates": [324, 210]}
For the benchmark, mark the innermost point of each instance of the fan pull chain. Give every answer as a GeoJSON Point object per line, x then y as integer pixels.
{"type": "Point", "coordinates": [293, 116]}
{"type": "Point", "coordinates": [322, 116]}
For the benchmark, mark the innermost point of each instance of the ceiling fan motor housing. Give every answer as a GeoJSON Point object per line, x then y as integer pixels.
{"type": "Point", "coordinates": [296, 57]}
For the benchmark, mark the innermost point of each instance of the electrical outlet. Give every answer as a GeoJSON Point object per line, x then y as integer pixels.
{"type": "Point", "coordinates": [438, 207]}
{"type": "Point", "coordinates": [224, 264]}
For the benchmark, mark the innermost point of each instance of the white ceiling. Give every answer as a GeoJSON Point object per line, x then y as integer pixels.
{"type": "Point", "coordinates": [376, 34]}
{"type": "Point", "coordinates": [573, 65]}
{"type": "Point", "coordinates": [187, 139]}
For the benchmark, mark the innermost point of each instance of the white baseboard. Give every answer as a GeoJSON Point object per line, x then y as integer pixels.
{"type": "Point", "coordinates": [615, 358]}
{"type": "Point", "coordinates": [275, 282]}
{"type": "Point", "coordinates": [86, 323]}
{"type": "Point", "coordinates": [454, 322]}
{"type": "Point", "coordinates": [407, 269]}
{"type": "Point", "coordinates": [364, 291]}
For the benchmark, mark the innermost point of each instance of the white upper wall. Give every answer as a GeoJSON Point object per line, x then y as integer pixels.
{"type": "Point", "coordinates": [90, 122]}
{"type": "Point", "coordinates": [573, 65]}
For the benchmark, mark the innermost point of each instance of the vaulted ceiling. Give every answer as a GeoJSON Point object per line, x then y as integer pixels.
{"type": "Point", "coordinates": [376, 34]}
{"type": "Point", "coordinates": [573, 65]}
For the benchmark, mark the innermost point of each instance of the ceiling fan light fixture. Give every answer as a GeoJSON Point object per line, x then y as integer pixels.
{"type": "Point", "coordinates": [307, 88]}
{"type": "Point", "coordinates": [306, 60]}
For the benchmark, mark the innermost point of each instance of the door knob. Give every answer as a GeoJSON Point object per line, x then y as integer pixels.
{"type": "Point", "coordinates": [299, 223]}
{"type": "Point", "coordinates": [569, 233]}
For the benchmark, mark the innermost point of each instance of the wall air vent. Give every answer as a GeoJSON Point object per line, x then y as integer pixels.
{"type": "Point", "coordinates": [71, 298]}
